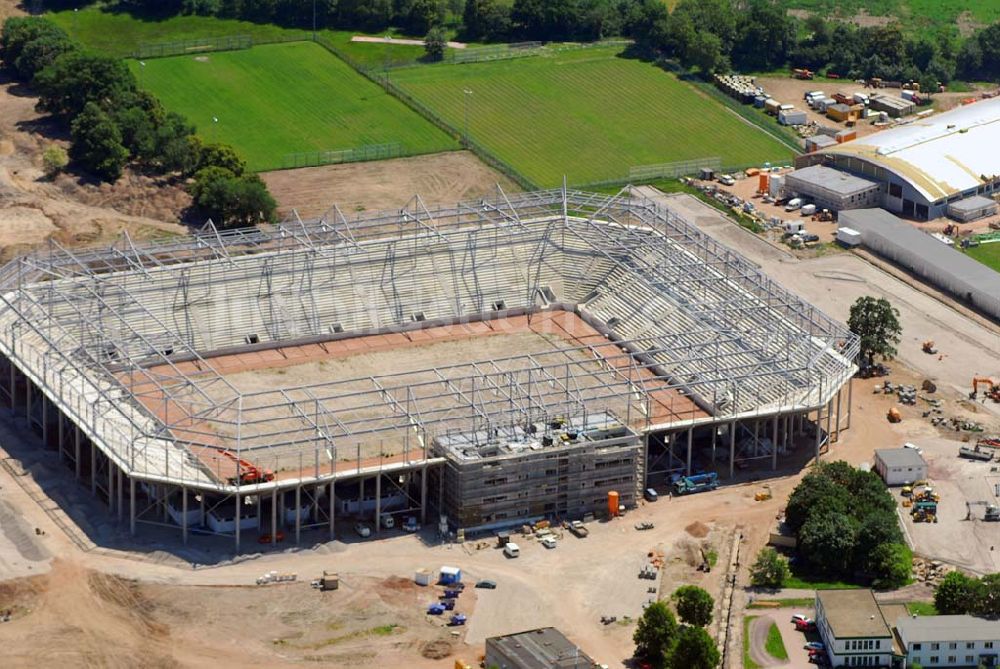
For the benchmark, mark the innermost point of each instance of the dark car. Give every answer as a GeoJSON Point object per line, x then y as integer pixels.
{"type": "Point", "coordinates": [489, 585]}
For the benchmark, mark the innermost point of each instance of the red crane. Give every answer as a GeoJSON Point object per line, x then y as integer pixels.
{"type": "Point", "coordinates": [249, 472]}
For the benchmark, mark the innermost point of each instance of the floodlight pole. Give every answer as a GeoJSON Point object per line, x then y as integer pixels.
{"type": "Point", "coordinates": [468, 94]}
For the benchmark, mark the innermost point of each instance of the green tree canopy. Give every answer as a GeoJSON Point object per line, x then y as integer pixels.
{"type": "Point", "coordinates": [435, 43]}
{"type": "Point", "coordinates": [97, 144]}
{"type": "Point", "coordinates": [655, 633]}
{"type": "Point", "coordinates": [694, 605]}
{"type": "Point", "coordinates": [694, 649]}
{"type": "Point", "coordinates": [770, 570]}
{"type": "Point", "coordinates": [891, 564]}
{"type": "Point", "coordinates": [876, 322]}
{"type": "Point", "coordinates": [957, 594]}
{"type": "Point", "coordinates": [827, 541]}
{"type": "Point", "coordinates": [75, 79]}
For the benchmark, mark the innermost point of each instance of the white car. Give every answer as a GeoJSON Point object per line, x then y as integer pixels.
{"type": "Point", "coordinates": [814, 645]}
{"type": "Point", "coordinates": [363, 530]}
{"type": "Point", "coordinates": [548, 542]}
{"type": "Point", "coordinates": [796, 617]}
{"type": "Point", "coordinates": [913, 446]}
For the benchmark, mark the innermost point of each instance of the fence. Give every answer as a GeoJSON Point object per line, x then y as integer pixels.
{"type": "Point", "coordinates": [679, 168]}
{"type": "Point", "coordinates": [189, 46]}
{"type": "Point", "coordinates": [355, 155]}
{"type": "Point", "coordinates": [494, 52]}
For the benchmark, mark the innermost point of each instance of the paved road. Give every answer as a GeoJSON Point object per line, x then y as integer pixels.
{"type": "Point", "coordinates": [832, 282]}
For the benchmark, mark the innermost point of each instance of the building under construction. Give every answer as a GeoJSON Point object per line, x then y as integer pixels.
{"type": "Point", "coordinates": [253, 383]}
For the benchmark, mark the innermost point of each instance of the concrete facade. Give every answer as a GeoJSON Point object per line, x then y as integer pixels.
{"type": "Point", "coordinates": [899, 466]}
{"type": "Point", "coordinates": [853, 629]}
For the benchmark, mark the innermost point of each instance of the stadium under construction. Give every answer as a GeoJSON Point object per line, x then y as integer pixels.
{"type": "Point", "coordinates": [494, 362]}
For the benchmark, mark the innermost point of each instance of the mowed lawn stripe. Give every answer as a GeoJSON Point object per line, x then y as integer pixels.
{"type": "Point", "coordinates": [277, 99]}
{"type": "Point", "coordinates": [586, 114]}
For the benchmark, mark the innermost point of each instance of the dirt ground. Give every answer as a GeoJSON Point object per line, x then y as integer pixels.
{"type": "Point", "coordinates": [441, 178]}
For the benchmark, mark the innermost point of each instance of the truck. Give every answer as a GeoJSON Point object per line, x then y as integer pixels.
{"type": "Point", "coordinates": [687, 485]}
{"type": "Point", "coordinates": [578, 528]}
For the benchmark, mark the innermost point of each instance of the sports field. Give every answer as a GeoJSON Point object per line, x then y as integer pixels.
{"type": "Point", "coordinates": [586, 114]}
{"type": "Point", "coordinates": [278, 99]}
{"type": "Point", "coordinates": [988, 254]}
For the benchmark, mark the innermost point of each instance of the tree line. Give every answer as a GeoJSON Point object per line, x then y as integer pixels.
{"type": "Point", "coordinates": [704, 35]}
{"type": "Point", "coordinates": [665, 644]}
{"type": "Point", "coordinates": [961, 594]}
{"type": "Point", "coordinates": [113, 122]}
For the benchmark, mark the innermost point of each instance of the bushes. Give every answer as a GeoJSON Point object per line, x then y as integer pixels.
{"type": "Point", "coordinates": [770, 570]}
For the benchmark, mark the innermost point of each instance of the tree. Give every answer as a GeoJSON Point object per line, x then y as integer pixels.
{"type": "Point", "coordinates": [423, 15]}
{"type": "Point", "coordinates": [770, 570]}
{"type": "Point", "coordinates": [54, 160]}
{"type": "Point", "coordinates": [75, 79]}
{"type": "Point", "coordinates": [20, 31]}
{"type": "Point", "coordinates": [878, 528]}
{"type": "Point", "coordinates": [435, 43]}
{"type": "Point", "coordinates": [40, 53]}
{"type": "Point", "coordinates": [891, 564]}
{"type": "Point", "coordinates": [827, 541]}
{"type": "Point", "coordinates": [876, 322]}
{"type": "Point", "coordinates": [230, 200]}
{"type": "Point", "coordinates": [221, 155]}
{"type": "Point", "coordinates": [988, 596]}
{"type": "Point", "coordinates": [957, 594]}
{"type": "Point", "coordinates": [694, 649]}
{"type": "Point", "coordinates": [694, 605]}
{"type": "Point", "coordinates": [655, 633]}
{"type": "Point", "coordinates": [814, 491]}
{"type": "Point", "coordinates": [97, 144]}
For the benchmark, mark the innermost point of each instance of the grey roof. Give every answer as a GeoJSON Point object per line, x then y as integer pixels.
{"type": "Point", "coordinates": [822, 141]}
{"type": "Point", "coordinates": [975, 283]}
{"type": "Point", "coordinates": [893, 101]}
{"type": "Point", "coordinates": [972, 203]}
{"type": "Point", "coordinates": [853, 614]}
{"type": "Point", "coordinates": [947, 628]}
{"type": "Point", "coordinates": [900, 457]}
{"type": "Point", "coordinates": [544, 648]}
{"type": "Point", "coordinates": [840, 106]}
{"type": "Point", "coordinates": [830, 179]}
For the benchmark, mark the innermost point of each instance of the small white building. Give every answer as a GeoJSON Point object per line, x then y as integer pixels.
{"type": "Point", "coordinates": [949, 641]}
{"type": "Point", "coordinates": [853, 629]}
{"type": "Point", "coordinates": [899, 466]}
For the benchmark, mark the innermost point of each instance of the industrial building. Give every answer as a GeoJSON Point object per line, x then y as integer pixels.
{"type": "Point", "coordinates": [256, 382]}
{"type": "Point", "coordinates": [972, 282]}
{"type": "Point", "coordinates": [900, 466]}
{"type": "Point", "coordinates": [972, 208]}
{"type": "Point", "coordinates": [927, 165]}
{"type": "Point", "coordinates": [853, 629]}
{"type": "Point", "coordinates": [832, 189]}
{"type": "Point", "coordinates": [544, 648]}
{"type": "Point", "coordinates": [949, 641]}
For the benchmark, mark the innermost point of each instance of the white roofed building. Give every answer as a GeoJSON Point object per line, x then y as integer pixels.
{"type": "Point", "coordinates": [927, 164]}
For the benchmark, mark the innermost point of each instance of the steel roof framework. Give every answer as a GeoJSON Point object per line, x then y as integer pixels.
{"type": "Point", "coordinates": [85, 326]}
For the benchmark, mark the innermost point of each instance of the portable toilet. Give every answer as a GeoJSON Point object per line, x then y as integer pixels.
{"type": "Point", "coordinates": [763, 179]}
{"type": "Point", "coordinates": [450, 575]}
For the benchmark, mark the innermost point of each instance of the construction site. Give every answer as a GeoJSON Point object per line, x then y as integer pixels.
{"type": "Point", "coordinates": [430, 363]}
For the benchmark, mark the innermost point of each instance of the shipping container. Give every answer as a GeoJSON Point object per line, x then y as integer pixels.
{"type": "Point", "coordinates": [848, 236]}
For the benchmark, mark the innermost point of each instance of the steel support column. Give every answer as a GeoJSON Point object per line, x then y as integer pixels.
{"type": "Point", "coordinates": [274, 515]}
{"type": "Point", "coordinates": [850, 390]}
{"type": "Point", "coordinates": [76, 450]}
{"type": "Point", "coordinates": [184, 515]}
{"type": "Point", "coordinates": [690, 441]}
{"type": "Point", "coordinates": [423, 494]}
{"type": "Point", "coordinates": [332, 508]}
{"type": "Point", "coordinates": [236, 527]}
{"type": "Point", "coordinates": [732, 449]}
{"type": "Point", "coordinates": [298, 512]}
{"type": "Point", "coordinates": [774, 441]}
{"type": "Point", "coordinates": [378, 503]}
{"type": "Point", "coordinates": [131, 506]}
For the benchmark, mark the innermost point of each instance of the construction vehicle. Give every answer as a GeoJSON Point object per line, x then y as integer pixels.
{"type": "Point", "coordinates": [924, 516]}
{"type": "Point", "coordinates": [893, 415]}
{"type": "Point", "coordinates": [687, 485]}
{"type": "Point", "coordinates": [928, 347]}
{"type": "Point", "coordinates": [823, 215]}
{"type": "Point", "coordinates": [992, 390]}
{"type": "Point", "coordinates": [991, 515]}
{"type": "Point", "coordinates": [975, 453]}
{"type": "Point", "coordinates": [763, 494]}
{"type": "Point", "coordinates": [249, 473]}
{"type": "Point", "coordinates": [802, 73]}
{"type": "Point", "coordinates": [868, 371]}
{"type": "Point", "coordinates": [927, 495]}
{"type": "Point", "coordinates": [579, 529]}
{"type": "Point", "coordinates": [988, 442]}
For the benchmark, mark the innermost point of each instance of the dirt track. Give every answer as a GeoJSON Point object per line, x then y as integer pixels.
{"type": "Point", "coordinates": [440, 178]}
{"type": "Point", "coordinates": [759, 627]}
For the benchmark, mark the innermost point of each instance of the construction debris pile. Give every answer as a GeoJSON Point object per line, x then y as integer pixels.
{"type": "Point", "coordinates": [931, 572]}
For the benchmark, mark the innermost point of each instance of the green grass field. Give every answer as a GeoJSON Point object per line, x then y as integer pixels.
{"type": "Point", "coordinates": [587, 114]}
{"type": "Point", "coordinates": [988, 254]}
{"type": "Point", "coordinates": [278, 99]}
{"type": "Point", "coordinates": [774, 646]}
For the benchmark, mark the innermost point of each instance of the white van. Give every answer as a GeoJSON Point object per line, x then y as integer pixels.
{"type": "Point", "coordinates": [511, 550]}
{"type": "Point", "coordinates": [793, 204]}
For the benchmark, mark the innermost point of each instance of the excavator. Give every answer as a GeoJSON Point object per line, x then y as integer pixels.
{"type": "Point", "coordinates": [992, 388]}
{"type": "Point", "coordinates": [928, 347]}
{"type": "Point", "coordinates": [992, 511]}
{"type": "Point", "coordinates": [249, 473]}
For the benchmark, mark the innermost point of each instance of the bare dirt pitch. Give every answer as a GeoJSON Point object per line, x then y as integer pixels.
{"type": "Point", "coordinates": [440, 178]}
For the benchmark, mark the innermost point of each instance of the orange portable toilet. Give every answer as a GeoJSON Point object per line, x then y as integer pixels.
{"type": "Point", "coordinates": [762, 182]}
{"type": "Point", "coordinates": [612, 503]}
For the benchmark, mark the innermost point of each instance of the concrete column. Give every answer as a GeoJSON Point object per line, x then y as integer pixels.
{"type": "Point", "coordinates": [13, 386]}
{"type": "Point", "coordinates": [645, 458]}
{"type": "Point", "coordinates": [45, 421]}
{"type": "Point", "coordinates": [774, 441]}
{"type": "Point", "coordinates": [361, 497]}
{"type": "Point", "coordinates": [76, 451]}
{"type": "Point", "coordinates": [333, 507]}
{"type": "Point", "coordinates": [274, 516]}
{"type": "Point", "coordinates": [298, 515]}
{"type": "Point", "coordinates": [27, 400]}
{"type": "Point", "coordinates": [378, 503]}
{"type": "Point", "coordinates": [819, 431]}
{"type": "Point", "coordinates": [850, 390]}
{"type": "Point", "coordinates": [121, 509]}
{"type": "Point", "coordinates": [93, 469]}
{"type": "Point", "coordinates": [732, 449]}
{"type": "Point", "coordinates": [60, 435]}
{"type": "Point", "coordinates": [423, 494]}
{"type": "Point", "coordinates": [690, 441]}
{"type": "Point", "coordinates": [715, 436]}
{"type": "Point", "coordinates": [236, 528]}
{"type": "Point", "coordinates": [111, 486]}
{"type": "Point", "coordinates": [131, 506]}
{"type": "Point", "coordinates": [184, 515]}
{"type": "Point", "coordinates": [829, 425]}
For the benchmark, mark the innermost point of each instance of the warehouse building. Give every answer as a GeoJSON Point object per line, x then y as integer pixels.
{"type": "Point", "coordinates": [832, 189]}
{"type": "Point", "coordinates": [928, 165]}
{"type": "Point", "coordinates": [544, 648]}
{"type": "Point", "coordinates": [899, 466]}
{"type": "Point", "coordinates": [853, 629]}
{"type": "Point", "coordinates": [975, 284]}
{"type": "Point", "coordinates": [949, 641]}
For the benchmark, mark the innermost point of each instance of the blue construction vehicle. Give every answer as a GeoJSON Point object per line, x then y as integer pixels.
{"type": "Point", "coordinates": [687, 485]}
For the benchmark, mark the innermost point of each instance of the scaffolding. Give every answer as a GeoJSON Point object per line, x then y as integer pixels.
{"type": "Point", "coordinates": [121, 339]}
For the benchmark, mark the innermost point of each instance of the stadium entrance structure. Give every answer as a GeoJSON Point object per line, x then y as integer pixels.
{"type": "Point", "coordinates": [159, 370]}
